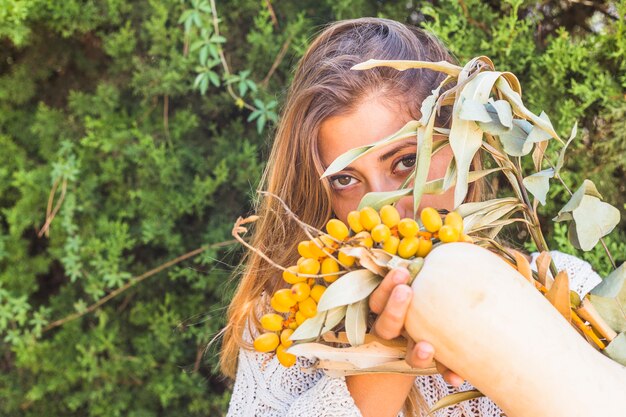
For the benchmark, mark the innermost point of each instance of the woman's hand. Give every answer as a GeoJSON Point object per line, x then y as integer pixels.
{"type": "Point", "coordinates": [391, 301]}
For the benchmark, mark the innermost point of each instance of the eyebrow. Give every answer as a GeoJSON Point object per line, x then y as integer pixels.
{"type": "Point", "coordinates": [395, 150]}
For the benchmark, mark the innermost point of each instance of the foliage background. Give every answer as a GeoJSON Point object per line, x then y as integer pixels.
{"type": "Point", "coordinates": [126, 116]}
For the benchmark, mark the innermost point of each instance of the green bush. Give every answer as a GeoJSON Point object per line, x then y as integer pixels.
{"type": "Point", "coordinates": [123, 129]}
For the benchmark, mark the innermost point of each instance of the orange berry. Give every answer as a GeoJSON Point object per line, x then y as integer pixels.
{"type": "Point", "coordinates": [448, 234]}
{"type": "Point", "coordinates": [284, 297]}
{"type": "Point", "coordinates": [408, 227]}
{"type": "Point", "coordinates": [354, 221]}
{"type": "Point", "coordinates": [380, 233]}
{"type": "Point", "coordinates": [431, 219]}
{"type": "Point", "coordinates": [369, 218]}
{"type": "Point", "coordinates": [330, 266]}
{"type": "Point", "coordinates": [286, 359]}
{"type": "Point", "coordinates": [346, 260]}
{"type": "Point", "coordinates": [408, 246]}
{"type": "Point", "coordinates": [304, 249]}
{"type": "Point", "coordinates": [300, 260]}
{"type": "Point", "coordinates": [337, 229]}
{"type": "Point", "coordinates": [309, 267]}
{"type": "Point", "coordinates": [300, 318]}
{"type": "Point", "coordinates": [316, 292]}
{"type": "Point", "coordinates": [281, 308]}
{"type": "Point", "coordinates": [266, 342]}
{"type": "Point", "coordinates": [316, 246]}
{"type": "Point", "coordinates": [424, 248]}
{"type": "Point", "coordinates": [285, 338]}
{"type": "Point", "coordinates": [300, 291]}
{"type": "Point", "coordinates": [290, 275]}
{"type": "Point", "coordinates": [391, 245]}
{"type": "Point", "coordinates": [272, 322]}
{"type": "Point", "coordinates": [389, 216]}
{"type": "Point", "coordinates": [308, 307]}
{"type": "Point", "coordinates": [455, 220]}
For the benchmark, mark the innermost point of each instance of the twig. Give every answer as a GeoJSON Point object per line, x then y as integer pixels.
{"type": "Point", "coordinates": [277, 61]}
{"type": "Point", "coordinates": [50, 215]}
{"type": "Point", "coordinates": [268, 3]}
{"type": "Point", "coordinates": [229, 87]}
{"type": "Point", "coordinates": [134, 282]}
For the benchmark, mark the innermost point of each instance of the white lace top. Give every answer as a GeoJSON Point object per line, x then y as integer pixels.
{"type": "Point", "coordinates": [264, 388]}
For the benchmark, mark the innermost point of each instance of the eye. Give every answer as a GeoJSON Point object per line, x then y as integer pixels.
{"type": "Point", "coordinates": [340, 182]}
{"type": "Point", "coordinates": [406, 163]}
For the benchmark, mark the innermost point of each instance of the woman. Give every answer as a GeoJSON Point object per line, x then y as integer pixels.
{"type": "Point", "coordinates": [330, 109]}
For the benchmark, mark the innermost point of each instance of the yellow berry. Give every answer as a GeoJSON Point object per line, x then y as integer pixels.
{"type": "Point", "coordinates": [276, 305]}
{"type": "Point", "coordinates": [300, 318]}
{"type": "Point", "coordinates": [425, 245]}
{"type": "Point", "coordinates": [300, 291]}
{"type": "Point", "coordinates": [300, 260]}
{"type": "Point", "coordinates": [346, 260]}
{"type": "Point", "coordinates": [337, 229]}
{"type": "Point", "coordinates": [284, 297]}
{"type": "Point", "coordinates": [431, 219]}
{"type": "Point", "coordinates": [369, 218]}
{"type": "Point", "coordinates": [309, 267]}
{"type": "Point", "coordinates": [272, 322]}
{"type": "Point", "coordinates": [455, 220]}
{"type": "Point", "coordinates": [354, 221]}
{"type": "Point", "coordinates": [391, 245]}
{"type": "Point", "coordinates": [408, 246]}
{"type": "Point", "coordinates": [266, 342]}
{"type": "Point", "coordinates": [293, 325]}
{"type": "Point", "coordinates": [380, 233]}
{"type": "Point", "coordinates": [304, 249]}
{"type": "Point", "coordinates": [330, 266]}
{"type": "Point", "coordinates": [285, 338]}
{"type": "Point", "coordinates": [329, 244]}
{"type": "Point", "coordinates": [448, 234]}
{"type": "Point", "coordinates": [308, 307]}
{"type": "Point", "coordinates": [316, 292]}
{"type": "Point", "coordinates": [290, 275]}
{"type": "Point", "coordinates": [285, 359]}
{"type": "Point", "coordinates": [408, 227]}
{"type": "Point", "coordinates": [389, 216]}
{"type": "Point", "coordinates": [365, 239]}
{"type": "Point", "coordinates": [316, 247]}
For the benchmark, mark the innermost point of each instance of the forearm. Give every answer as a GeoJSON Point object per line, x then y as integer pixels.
{"type": "Point", "coordinates": [379, 395]}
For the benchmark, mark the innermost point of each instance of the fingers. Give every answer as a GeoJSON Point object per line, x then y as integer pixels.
{"type": "Point", "coordinates": [378, 299]}
{"type": "Point", "coordinates": [420, 354]}
{"type": "Point", "coordinates": [390, 322]}
{"type": "Point", "coordinates": [449, 376]}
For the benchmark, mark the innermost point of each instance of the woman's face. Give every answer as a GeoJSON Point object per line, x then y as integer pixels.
{"type": "Point", "coordinates": [382, 170]}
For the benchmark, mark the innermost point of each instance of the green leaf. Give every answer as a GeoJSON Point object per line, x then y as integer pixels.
{"type": "Point", "coordinates": [401, 65]}
{"type": "Point", "coordinates": [380, 198]}
{"type": "Point", "coordinates": [539, 183]}
{"type": "Point", "coordinates": [345, 159]}
{"type": "Point", "coordinates": [351, 287]}
{"type": "Point", "coordinates": [515, 141]}
{"type": "Point", "coordinates": [587, 188]}
{"type": "Point", "coordinates": [322, 322]}
{"type": "Point", "coordinates": [616, 350]}
{"type": "Point", "coordinates": [609, 298]}
{"type": "Point", "coordinates": [453, 399]}
{"type": "Point", "coordinates": [594, 219]}
{"type": "Point", "coordinates": [356, 322]}
{"type": "Point", "coordinates": [424, 153]}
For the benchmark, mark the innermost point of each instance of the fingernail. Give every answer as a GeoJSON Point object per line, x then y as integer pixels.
{"type": "Point", "coordinates": [424, 353]}
{"type": "Point", "coordinates": [401, 294]}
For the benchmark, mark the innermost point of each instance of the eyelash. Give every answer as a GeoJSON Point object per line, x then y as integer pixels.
{"type": "Point", "coordinates": [404, 158]}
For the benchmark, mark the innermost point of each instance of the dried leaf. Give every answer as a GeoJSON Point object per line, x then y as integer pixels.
{"type": "Point", "coordinates": [378, 199]}
{"type": "Point", "coordinates": [341, 369]}
{"type": "Point", "coordinates": [471, 110]}
{"type": "Point", "coordinates": [593, 219]}
{"type": "Point", "coordinates": [523, 267]}
{"type": "Point", "coordinates": [345, 159]}
{"type": "Point", "coordinates": [322, 322]}
{"type": "Point", "coordinates": [609, 298]}
{"type": "Point", "coordinates": [561, 160]}
{"type": "Point", "coordinates": [401, 65]}
{"type": "Point", "coordinates": [538, 154]}
{"type": "Point", "coordinates": [543, 269]}
{"type": "Point", "coordinates": [351, 287]}
{"type": "Point", "coordinates": [558, 295]}
{"type": "Point", "coordinates": [363, 356]}
{"type": "Point", "coordinates": [356, 322]}
{"type": "Point", "coordinates": [366, 259]}
{"type": "Point", "coordinates": [538, 184]}
{"type": "Point", "coordinates": [537, 134]}
{"type": "Point", "coordinates": [515, 141]}
{"type": "Point", "coordinates": [342, 337]}
{"type": "Point", "coordinates": [468, 209]}
{"type": "Point", "coordinates": [453, 399]}
{"type": "Point", "coordinates": [616, 350]}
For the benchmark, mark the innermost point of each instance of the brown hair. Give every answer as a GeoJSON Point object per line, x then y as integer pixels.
{"type": "Point", "coordinates": [323, 86]}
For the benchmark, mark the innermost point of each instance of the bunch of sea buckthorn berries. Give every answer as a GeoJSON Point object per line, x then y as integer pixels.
{"type": "Point", "coordinates": [382, 229]}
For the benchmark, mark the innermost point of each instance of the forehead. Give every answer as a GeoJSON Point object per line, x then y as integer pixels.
{"type": "Point", "coordinates": [372, 120]}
